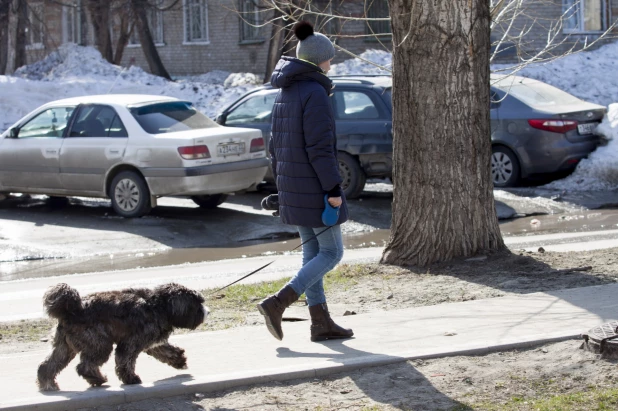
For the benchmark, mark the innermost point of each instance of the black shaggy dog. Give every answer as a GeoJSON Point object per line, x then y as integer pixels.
{"type": "Point", "coordinates": [135, 319]}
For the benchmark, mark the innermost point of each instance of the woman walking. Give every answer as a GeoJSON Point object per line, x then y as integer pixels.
{"type": "Point", "coordinates": [303, 151]}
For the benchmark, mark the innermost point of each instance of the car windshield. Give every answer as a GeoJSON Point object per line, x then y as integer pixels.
{"type": "Point", "coordinates": [537, 94]}
{"type": "Point", "coordinates": [169, 117]}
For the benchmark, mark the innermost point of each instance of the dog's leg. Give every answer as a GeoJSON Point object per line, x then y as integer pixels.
{"type": "Point", "coordinates": [56, 361]}
{"type": "Point", "coordinates": [169, 354]}
{"type": "Point", "coordinates": [126, 356]}
{"type": "Point", "coordinates": [91, 359]}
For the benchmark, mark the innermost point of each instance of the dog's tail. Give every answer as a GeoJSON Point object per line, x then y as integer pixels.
{"type": "Point", "coordinates": [62, 301]}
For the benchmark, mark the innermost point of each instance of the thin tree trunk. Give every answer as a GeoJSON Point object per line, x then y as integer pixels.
{"type": "Point", "coordinates": [126, 28]}
{"type": "Point", "coordinates": [274, 47]}
{"type": "Point", "coordinates": [145, 38]}
{"type": "Point", "coordinates": [21, 9]}
{"type": "Point", "coordinates": [5, 6]}
{"type": "Point", "coordinates": [443, 205]}
{"type": "Point", "coordinates": [100, 15]}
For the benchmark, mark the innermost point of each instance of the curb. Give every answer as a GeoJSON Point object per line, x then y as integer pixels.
{"type": "Point", "coordinates": [183, 385]}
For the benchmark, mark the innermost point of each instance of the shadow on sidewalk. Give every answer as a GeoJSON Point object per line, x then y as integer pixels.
{"type": "Point", "coordinates": [398, 384]}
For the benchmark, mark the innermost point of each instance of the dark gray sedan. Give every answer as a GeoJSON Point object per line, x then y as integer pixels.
{"type": "Point", "coordinates": [536, 128]}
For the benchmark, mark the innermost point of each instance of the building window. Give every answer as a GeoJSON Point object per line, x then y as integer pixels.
{"type": "Point", "coordinates": [73, 22]}
{"type": "Point", "coordinates": [250, 21]}
{"type": "Point", "coordinates": [585, 16]}
{"type": "Point", "coordinates": [378, 9]}
{"type": "Point", "coordinates": [155, 24]}
{"type": "Point", "coordinates": [35, 28]}
{"type": "Point", "coordinates": [196, 21]}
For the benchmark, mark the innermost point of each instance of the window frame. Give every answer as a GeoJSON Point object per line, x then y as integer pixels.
{"type": "Point", "coordinates": [244, 13]}
{"type": "Point", "coordinates": [188, 8]}
{"type": "Point", "coordinates": [69, 122]}
{"type": "Point", "coordinates": [579, 15]}
{"type": "Point", "coordinates": [375, 9]}
{"type": "Point", "coordinates": [246, 100]}
{"type": "Point", "coordinates": [35, 19]}
{"type": "Point", "coordinates": [157, 32]}
{"type": "Point", "coordinates": [83, 107]}
{"type": "Point", "coordinates": [377, 102]}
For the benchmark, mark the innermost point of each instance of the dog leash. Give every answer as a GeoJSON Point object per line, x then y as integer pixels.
{"type": "Point", "coordinates": [266, 265]}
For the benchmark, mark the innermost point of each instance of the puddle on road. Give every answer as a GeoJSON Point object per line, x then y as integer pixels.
{"type": "Point", "coordinates": [590, 220]}
{"type": "Point", "coordinates": [547, 224]}
{"type": "Point", "coordinates": [54, 267]}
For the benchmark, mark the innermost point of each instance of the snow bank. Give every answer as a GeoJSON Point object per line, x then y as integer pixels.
{"type": "Point", "coordinates": [600, 170]}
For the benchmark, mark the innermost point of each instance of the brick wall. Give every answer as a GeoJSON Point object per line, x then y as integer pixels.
{"type": "Point", "coordinates": [537, 19]}
{"type": "Point", "coordinates": [226, 52]}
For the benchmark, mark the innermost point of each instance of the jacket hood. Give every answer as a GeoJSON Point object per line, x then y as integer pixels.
{"type": "Point", "coordinates": [290, 70]}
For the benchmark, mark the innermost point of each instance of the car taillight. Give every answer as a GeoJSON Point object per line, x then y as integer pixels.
{"type": "Point", "coordinates": [555, 126]}
{"type": "Point", "coordinates": [257, 144]}
{"type": "Point", "coordinates": [193, 152]}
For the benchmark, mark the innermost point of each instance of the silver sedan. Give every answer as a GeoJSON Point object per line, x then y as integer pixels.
{"type": "Point", "coordinates": [131, 149]}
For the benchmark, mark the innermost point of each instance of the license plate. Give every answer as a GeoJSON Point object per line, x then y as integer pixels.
{"type": "Point", "coordinates": [587, 128]}
{"type": "Point", "coordinates": [230, 149]}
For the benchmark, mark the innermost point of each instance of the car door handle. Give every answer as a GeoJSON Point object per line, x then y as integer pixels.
{"type": "Point", "coordinates": [114, 151]}
{"type": "Point", "coordinates": [51, 151]}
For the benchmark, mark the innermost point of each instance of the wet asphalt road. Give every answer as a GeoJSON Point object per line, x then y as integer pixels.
{"type": "Point", "coordinates": [41, 238]}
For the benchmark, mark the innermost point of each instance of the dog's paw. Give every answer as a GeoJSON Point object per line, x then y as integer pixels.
{"type": "Point", "coordinates": [132, 379]}
{"type": "Point", "coordinates": [48, 386]}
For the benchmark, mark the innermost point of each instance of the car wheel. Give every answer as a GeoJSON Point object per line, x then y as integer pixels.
{"type": "Point", "coordinates": [130, 195]}
{"type": "Point", "coordinates": [352, 175]}
{"type": "Point", "coordinates": [209, 201]}
{"type": "Point", "coordinates": [504, 167]}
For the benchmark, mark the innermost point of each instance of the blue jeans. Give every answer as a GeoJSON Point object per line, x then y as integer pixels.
{"type": "Point", "coordinates": [320, 255]}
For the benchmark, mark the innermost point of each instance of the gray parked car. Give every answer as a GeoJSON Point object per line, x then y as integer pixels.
{"type": "Point", "coordinates": [130, 148]}
{"type": "Point", "coordinates": [536, 128]}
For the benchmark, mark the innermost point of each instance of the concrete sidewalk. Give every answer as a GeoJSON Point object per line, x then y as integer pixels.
{"type": "Point", "coordinates": [249, 355]}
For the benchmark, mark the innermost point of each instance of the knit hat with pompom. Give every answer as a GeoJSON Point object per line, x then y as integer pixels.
{"type": "Point", "coordinates": [313, 47]}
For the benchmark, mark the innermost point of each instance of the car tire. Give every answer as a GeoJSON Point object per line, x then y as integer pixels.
{"type": "Point", "coordinates": [352, 175]}
{"type": "Point", "coordinates": [505, 170]}
{"type": "Point", "coordinates": [130, 195]}
{"type": "Point", "coordinates": [209, 201]}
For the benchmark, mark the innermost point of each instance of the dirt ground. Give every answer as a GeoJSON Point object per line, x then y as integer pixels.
{"type": "Point", "coordinates": [513, 380]}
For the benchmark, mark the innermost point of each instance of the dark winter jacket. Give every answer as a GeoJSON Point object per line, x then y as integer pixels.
{"type": "Point", "coordinates": [303, 146]}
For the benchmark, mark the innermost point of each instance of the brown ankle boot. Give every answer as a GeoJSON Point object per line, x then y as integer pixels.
{"type": "Point", "coordinates": [272, 309]}
{"type": "Point", "coordinates": [323, 327]}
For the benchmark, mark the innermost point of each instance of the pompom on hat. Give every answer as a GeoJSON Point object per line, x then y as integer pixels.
{"type": "Point", "coordinates": [313, 47]}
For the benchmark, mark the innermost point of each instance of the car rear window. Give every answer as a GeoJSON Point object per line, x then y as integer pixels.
{"type": "Point", "coordinates": [537, 94]}
{"type": "Point", "coordinates": [169, 117]}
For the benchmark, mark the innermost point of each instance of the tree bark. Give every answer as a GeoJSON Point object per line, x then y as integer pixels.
{"type": "Point", "coordinates": [21, 9]}
{"type": "Point", "coordinates": [100, 16]}
{"type": "Point", "coordinates": [274, 46]}
{"type": "Point", "coordinates": [5, 6]}
{"type": "Point", "coordinates": [443, 205]}
{"type": "Point", "coordinates": [126, 28]}
{"type": "Point", "coordinates": [145, 38]}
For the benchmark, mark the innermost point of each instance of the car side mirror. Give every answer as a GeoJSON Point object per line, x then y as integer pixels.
{"type": "Point", "coordinates": [14, 132]}
{"type": "Point", "coordinates": [221, 119]}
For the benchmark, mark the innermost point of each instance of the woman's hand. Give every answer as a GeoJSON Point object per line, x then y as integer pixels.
{"type": "Point", "coordinates": [335, 201]}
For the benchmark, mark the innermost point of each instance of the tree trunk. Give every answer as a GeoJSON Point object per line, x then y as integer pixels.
{"type": "Point", "coordinates": [443, 205]}
{"type": "Point", "coordinates": [4, 34]}
{"type": "Point", "coordinates": [21, 9]}
{"type": "Point", "coordinates": [145, 38]}
{"type": "Point", "coordinates": [100, 16]}
{"type": "Point", "coordinates": [274, 47]}
{"type": "Point", "coordinates": [126, 28]}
